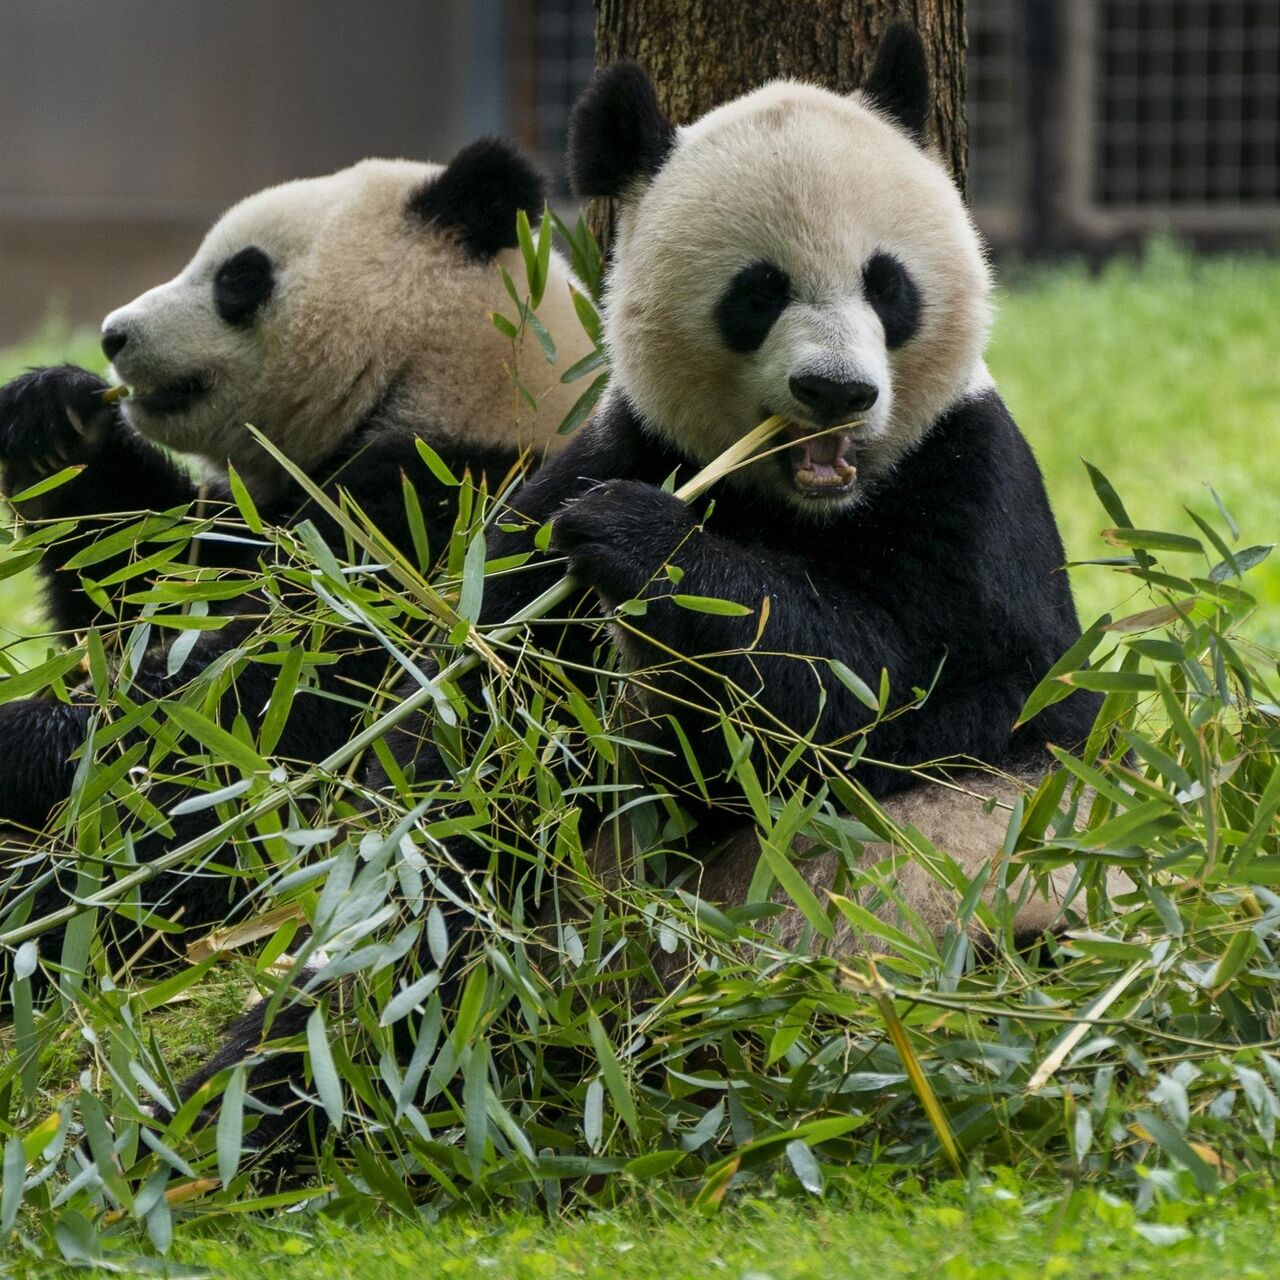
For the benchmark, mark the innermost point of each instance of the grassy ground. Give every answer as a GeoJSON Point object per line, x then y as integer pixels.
{"type": "Point", "coordinates": [992, 1231]}
{"type": "Point", "coordinates": [1164, 375]}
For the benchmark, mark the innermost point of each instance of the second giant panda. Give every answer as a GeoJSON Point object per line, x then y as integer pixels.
{"type": "Point", "coordinates": [345, 317]}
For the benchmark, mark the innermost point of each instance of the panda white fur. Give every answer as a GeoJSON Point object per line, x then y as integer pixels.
{"type": "Point", "coordinates": [344, 317]}
{"type": "Point", "coordinates": [315, 306]}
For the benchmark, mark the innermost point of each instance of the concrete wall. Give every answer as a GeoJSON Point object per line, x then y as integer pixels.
{"type": "Point", "coordinates": [127, 126]}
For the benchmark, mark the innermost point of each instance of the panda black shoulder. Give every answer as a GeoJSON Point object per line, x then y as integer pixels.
{"type": "Point", "coordinates": [613, 446]}
{"type": "Point", "coordinates": [973, 454]}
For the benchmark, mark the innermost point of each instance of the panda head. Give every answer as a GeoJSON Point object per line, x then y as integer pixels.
{"type": "Point", "coordinates": [312, 304]}
{"type": "Point", "coordinates": [792, 252]}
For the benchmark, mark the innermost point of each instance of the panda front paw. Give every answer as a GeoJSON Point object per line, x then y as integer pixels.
{"type": "Point", "coordinates": [50, 419]}
{"type": "Point", "coordinates": [618, 535]}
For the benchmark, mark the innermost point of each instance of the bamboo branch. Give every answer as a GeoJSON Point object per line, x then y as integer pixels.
{"type": "Point", "coordinates": [737, 455]}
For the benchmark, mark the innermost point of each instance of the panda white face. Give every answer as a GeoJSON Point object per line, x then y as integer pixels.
{"type": "Point", "coordinates": [197, 352]}
{"type": "Point", "coordinates": [796, 252]}
{"type": "Point", "coordinates": [313, 304]}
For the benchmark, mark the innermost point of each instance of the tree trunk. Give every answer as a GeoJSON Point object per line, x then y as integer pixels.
{"type": "Point", "coordinates": [701, 53]}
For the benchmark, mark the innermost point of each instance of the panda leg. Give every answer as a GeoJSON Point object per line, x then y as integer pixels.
{"type": "Point", "coordinates": [37, 741]}
{"type": "Point", "coordinates": [270, 1082]}
{"type": "Point", "coordinates": [274, 1075]}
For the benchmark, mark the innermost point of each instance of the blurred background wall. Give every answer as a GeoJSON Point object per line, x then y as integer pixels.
{"type": "Point", "coordinates": [128, 126]}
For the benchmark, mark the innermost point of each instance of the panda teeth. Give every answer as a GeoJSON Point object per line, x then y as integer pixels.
{"type": "Point", "coordinates": [841, 476]}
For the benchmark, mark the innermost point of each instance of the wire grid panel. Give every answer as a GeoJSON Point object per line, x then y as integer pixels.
{"type": "Point", "coordinates": [996, 116]}
{"type": "Point", "coordinates": [1179, 105]}
{"type": "Point", "coordinates": [565, 35]}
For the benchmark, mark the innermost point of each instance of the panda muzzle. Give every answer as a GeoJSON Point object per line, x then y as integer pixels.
{"type": "Point", "coordinates": [820, 461]}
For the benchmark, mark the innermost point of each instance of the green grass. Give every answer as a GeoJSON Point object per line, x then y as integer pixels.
{"type": "Point", "coordinates": [1163, 373]}
{"type": "Point", "coordinates": [993, 1229]}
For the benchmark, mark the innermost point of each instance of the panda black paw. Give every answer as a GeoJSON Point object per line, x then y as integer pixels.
{"type": "Point", "coordinates": [50, 419]}
{"type": "Point", "coordinates": [618, 535]}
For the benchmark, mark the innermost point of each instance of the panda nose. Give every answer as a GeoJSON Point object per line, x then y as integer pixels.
{"type": "Point", "coordinates": [831, 400]}
{"type": "Point", "coordinates": [113, 342]}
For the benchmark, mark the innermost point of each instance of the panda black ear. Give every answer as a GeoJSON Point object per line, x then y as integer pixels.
{"type": "Point", "coordinates": [617, 132]}
{"type": "Point", "coordinates": [899, 80]}
{"type": "Point", "coordinates": [478, 194]}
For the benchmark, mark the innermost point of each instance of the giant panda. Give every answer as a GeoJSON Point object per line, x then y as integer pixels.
{"type": "Point", "coordinates": [345, 317]}
{"type": "Point", "coordinates": [801, 253]}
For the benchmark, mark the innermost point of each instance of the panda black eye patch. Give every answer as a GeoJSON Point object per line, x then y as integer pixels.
{"type": "Point", "coordinates": [242, 284]}
{"type": "Point", "coordinates": [893, 296]}
{"type": "Point", "coordinates": [751, 305]}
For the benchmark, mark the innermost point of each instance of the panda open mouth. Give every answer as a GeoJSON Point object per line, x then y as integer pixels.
{"type": "Point", "coordinates": [820, 462]}
{"type": "Point", "coordinates": [170, 397]}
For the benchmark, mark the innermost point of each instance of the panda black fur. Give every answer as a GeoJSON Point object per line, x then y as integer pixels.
{"type": "Point", "coordinates": [800, 253]}
{"type": "Point", "coordinates": [344, 317]}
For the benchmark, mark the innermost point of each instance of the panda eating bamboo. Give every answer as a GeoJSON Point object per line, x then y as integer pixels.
{"type": "Point", "coordinates": [345, 317]}
{"type": "Point", "coordinates": [799, 253]}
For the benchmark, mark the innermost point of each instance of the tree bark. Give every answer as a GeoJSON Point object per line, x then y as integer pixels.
{"type": "Point", "coordinates": [701, 53]}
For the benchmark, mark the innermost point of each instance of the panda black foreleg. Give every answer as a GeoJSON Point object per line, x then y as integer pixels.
{"type": "Point", "coordinates": [56, 417]}
{"type": "Point", "coordinates": [619, 536]}
{"type": "Point", "coordinates": [271, 1078]}
{"type": "Point", "coordinates": [775, 680]}
{"type": "Point", "coordinates": [275, 1075]}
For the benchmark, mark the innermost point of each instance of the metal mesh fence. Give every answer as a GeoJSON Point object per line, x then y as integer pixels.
{"type": "Point", "coordinates": [1187, 102]}
{"type": "Point", "coordinates": [996, 119]}
{"type": "Point", "coordinates": [1168, 111]}
{"type": "Point", "coordinates": [565, 37]}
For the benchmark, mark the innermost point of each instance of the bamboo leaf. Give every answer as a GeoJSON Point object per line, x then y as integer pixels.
{"type": "Point", "coordinates": [475, 1093]}
{"type": "Point", "coordinates": [583, 406]}
{"type": "Point", "coordinates": [47, 485]}
{"type": "Point", "coordinates": [214, 738]}
{"type": "Point", "coordinates": [1239, 952]}
{"type": "Point", "coordinates": [243, 500]}
{"type": "Point", "coordinates": [230, 1131]}
{"type": "Point", "coordinates": [1051, 689]}
{"type": "Point", "coordinates": [855, 684]}
{"type": "Point", "coordinates": [710, 604]}
{"type": "Point", "coordinates": [806, 1167]}
{"type": "Point", "coordinates": [408, 999]}
{"type": "Point", "coordinates": [797, 888]}
{"type": "Point", "coordinates": [614, 1079]}
{"type": "Point", "coordinates": [323, 1071]}
{"type": "Point", "coordinates": [1153, 540]}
